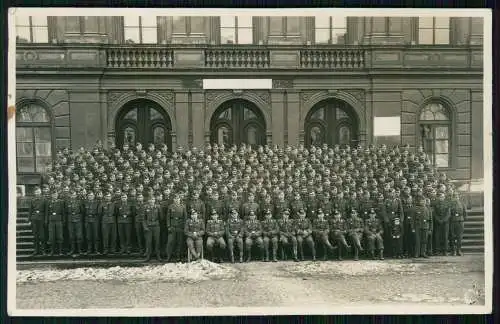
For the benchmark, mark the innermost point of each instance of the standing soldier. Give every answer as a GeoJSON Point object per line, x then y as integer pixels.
{"type": "Point", "coordinates": [287, 234]}
{"type": "Point", "coordinates": [422, 225]}
{"type": "Point", "coordinates": [234, 233]}
{"type": "Point", "coordinates": [194, 230]}
{"type": "Point", "coordinates": [321, 231]}
{"type": "Point", "coordinates": [253, 234]}
{"type": "Point", "coordinates": [108, 225]}
{"type": "Point", "coordinates": [55, 217]}
{"type": "Point", "coordinates": [374, 232]}
{"type": "Point", "coordinates": [37, 221]}
{"type": "Point", "coordinates": [338, 231]}
{"type": "Point", "coordinates": [304, 233]}
{"type": "Point", "coordinates": [124, 220]}
{"type": "Point", "coordinates": [458, 216]}
{"type": "Point", "coordinates": [74, 219]}
{"type": "Point", "coordinates": [270, 230]}
{"type": "Point", "coordinates": [151, 225]}
{"type": "Point", "coordinates": [397, 228]}
{"type": "Point", "coordinates": [176, 219]}
{"type": "Point", "coordinates": [215, 236]}
{"type": "Point", "coordinates": [92, 213]}
{"type": "Point", "coordinates": [431, 226]}
{"type": "Point", "coordinates": [250, 206]}
{"type": "Point", "coordinates": [355, 232]}
{"type": "Point", "coordinates": [139, 212]}
{"type": "Point", "coordinates": [408, 227]}
{"type": "Point", "coordinates": [442, 218]}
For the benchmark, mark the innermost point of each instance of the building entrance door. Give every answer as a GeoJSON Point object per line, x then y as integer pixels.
{"type": "Point", "coordinates": [145, 122]}
{"type": "Point", "coordinates": [236, 122]}
{"type": "Point", "coordinates": [331, 122]}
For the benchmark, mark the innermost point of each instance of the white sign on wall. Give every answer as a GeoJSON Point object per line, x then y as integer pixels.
{"type": "Point", "coordinates": [237, 84]}
{"type": "Point", "coordinates": [387, 126]}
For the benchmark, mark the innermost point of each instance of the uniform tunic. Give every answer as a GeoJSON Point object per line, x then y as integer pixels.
{"type": "Point", "coordinates": [37, 218]}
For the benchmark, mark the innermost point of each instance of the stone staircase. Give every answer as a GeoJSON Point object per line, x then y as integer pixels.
{"type": "Point", "coordinates": [473, 239]}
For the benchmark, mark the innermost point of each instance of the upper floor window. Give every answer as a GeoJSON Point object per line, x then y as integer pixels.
{"type": "Point", "coordinates": [33, 139]}
{"type": "Point", "coordinates": [82, 24]}
{"type": "Point", "coordinates": [236, 30]}
{"type": "Point", "coordinates": [140, 30]}
{"type": "Point", "coordinates": [433, 30]}
{"type": "Point", "coordinates": [330, 30]}
{"type": "Point", "coordinates": [435, 127]}
{"type": "Point", "coordinates": [284, 26]}
{"type": "Point", "coordinates": [32, 29]}
{"type": "Point", "coordinates": [189, 26]}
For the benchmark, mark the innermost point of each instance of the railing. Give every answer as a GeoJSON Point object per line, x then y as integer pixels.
{"type": "Point", "coordinates": [237, 58]}
{"type": "Point", "coordinates": [139, 57]}
{"type": "Point", "coordinates": [332, 58]}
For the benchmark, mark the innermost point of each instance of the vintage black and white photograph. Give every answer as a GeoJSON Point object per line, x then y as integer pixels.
{"type": "Point", "coordinates": [232, 161]}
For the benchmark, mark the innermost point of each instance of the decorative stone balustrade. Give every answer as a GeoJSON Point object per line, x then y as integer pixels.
{"type": "Point", "coordinates": [237, 58]}
{"type": "Point", "coordinates": [139, 57]}
{"type": "Point", "coordinates": [332, 58]}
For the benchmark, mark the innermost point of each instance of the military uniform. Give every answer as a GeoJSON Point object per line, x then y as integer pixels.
{"type": "Point", "coordinates": [151, 226]}
{"type": "Point", "coordinates": [321, 231]}
{"type": "Point", "coordinates": [253, 235]}
{"type": "Point", "coordinates": [295, 207]}
{"type": "Point", "coordinates": [92, 211]}
{"type": "Point", "coordinates": [124, 222]}
{"type": "Point", "coordinates": [139, 213]}
{"type": "Point", "coordinates": [338, 230]}
{"type": "Point", "coordinates": [55, 218]}
{"type": "Point", "coordinates": [408, 228]}
{"type": "Point", "coordinates": [287, 235]}
{"type": "Point", "coordinates": [37, 219]}
{"type": "Point", "coordinates": [176, 219]}
{"type": "Point", "coordinates": [374, 231]}
{"type": "Point", "coordinates": [248, 207]}
{"type": "Point", "coordinates": [215, 236]}
{"type": "Point", "coordinates": [270, 230]}
{"type": "Point", "coordinates": [303, 232]}
{"type": "Point", "coordinates": [441, 219]}
{"type": "Point", "coordinates": [396, 228]}
{"type": "Point", "coordinates": [422, 226]}
{"type": "Point", "coordinates": [355, 233]}
{"type": "Point", "coordinates": [109, 229]}
{"type": "Point", "coordinates": [458, 216]}
{"type": "Point", "coordinates": [234, 233]}
{"type": "Point", "coordinates": [74, 217]}
{"type": "Point", "coordinates": [194, 230]}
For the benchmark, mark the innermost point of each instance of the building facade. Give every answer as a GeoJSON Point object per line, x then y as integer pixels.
{"type": "Point", "coordinates": [335, 80]}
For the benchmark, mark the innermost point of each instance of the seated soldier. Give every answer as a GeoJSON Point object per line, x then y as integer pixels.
{"type": "Point", "coordinates": [253, 234]}
{"type": "Point", "coordinates": [234, 234]}
{"type": "Point", "coordinates": [270, 231]}
{"type": "Point", "coordinates": [287, 234]}
{"type": "Point", "coordinates": [304, 233]}
{"type": "Point", "coordinates": [355, 232]}
{"type": "Point", "coordinates": [338, 232]}
{"type": "Point", "coordinates": [321, 230]}
{"type": "Point", "coordinates": [215, 236]}
{"type": "Point", "coordinates": [194, 231]}
{"type": "Point", "coordinates": [374, 232]}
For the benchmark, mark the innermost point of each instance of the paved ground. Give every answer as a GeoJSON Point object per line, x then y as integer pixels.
{"type": "Point", "coordinates": [443, 280]}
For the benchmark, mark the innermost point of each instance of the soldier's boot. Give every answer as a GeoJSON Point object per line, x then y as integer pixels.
{"type": "Point", "coordinates": [339, 256]}
{"type": "Point", "coordinates": [249, 255]}
{"type": "Point", "coordinates": [283, 256]}
{"type": "Point", "coordinates": [148, 257]}
{"type": "Point", "coordinates": [52, 249]}
{"type": "Point", "coordinates": [301, 252]}
{"type": "Point", "coordinates": [275, 252]}
{"type": "Point", "coordinates": [325, 255]}
{"type": "Point", "coordinates": [295, 258]}
{"type": "Point", "coordinates": [89, 249]}
{"type": "Point", "coordinates": [158, 255]}
{"type": "Point", "coordinates": [265, 255]}
{"type": "Point", "coordinates": [424, 249]}
{"type": "Point", "coordinates": [35, 250]}
{"type": "Point", "coordinates": [356, 254]}
{"type": "Point", "coordinates": [372, 254]}
{"type": "Point", "coordinates": [381, 254]}
{"type": "Point", "coordinates": [241, 256]}
{"type": "Point", "coordinates": [43, 249]}
{"type": "Point", "coordinates": [231, 256]}
{"type": "Point", "coordinates": [314, 253]}
{"type": "Point", "coordinates": [61, 249]}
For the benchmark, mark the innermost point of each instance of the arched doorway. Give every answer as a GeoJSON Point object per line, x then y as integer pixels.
{"type": "Point", "coordinates": [332, 122]}
{"type": "Point", "coordinates": [143, 121]}
{"type": "Point", "coordinates": [238, 121]}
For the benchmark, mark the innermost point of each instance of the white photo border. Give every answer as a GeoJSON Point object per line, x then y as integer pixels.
{"type": "Point", "coordinates": [235, 311]}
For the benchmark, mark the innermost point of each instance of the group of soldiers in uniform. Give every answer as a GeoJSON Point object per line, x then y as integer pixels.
{"type": "Point", "coordinates": [242, 201]}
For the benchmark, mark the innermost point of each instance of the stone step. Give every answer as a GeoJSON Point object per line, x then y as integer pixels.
{"type": "Point", "coordinates": [472, 249]}
{"type": "Point", "coordinates": [472, 242]}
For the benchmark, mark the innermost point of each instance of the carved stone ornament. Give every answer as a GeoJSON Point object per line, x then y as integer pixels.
{"type": "Point", "coordinates": [211, 96]}
{"type": "Point", "coordinates": [167, 96]}
{"type": "Point", "coordinates": [264, 95]}
{"type": "Point", "coordinates": [306, 95]}
{"type": "Point", "coordinates": [282, 84]}
{"type": "Point", "coordinates": [113, 96]}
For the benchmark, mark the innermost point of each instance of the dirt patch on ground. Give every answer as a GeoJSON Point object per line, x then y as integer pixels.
{"type": "Point", "coordinates": [185, 272]}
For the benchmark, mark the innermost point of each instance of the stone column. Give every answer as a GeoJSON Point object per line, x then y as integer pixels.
{"type": "Point", "coordinates": [182, 118]}
{"type": "Point", "coordinates": [476, 31]}
{"type": "Point", "coordinates": [277, 116]}
{"type": "Point", "coordinates": [383, 31]}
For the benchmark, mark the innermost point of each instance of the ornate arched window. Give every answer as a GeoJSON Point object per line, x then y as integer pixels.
{"type": "Point", "coordinates": [435, 127]}
{"type": "Point", "coordinates": [33, 139]}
